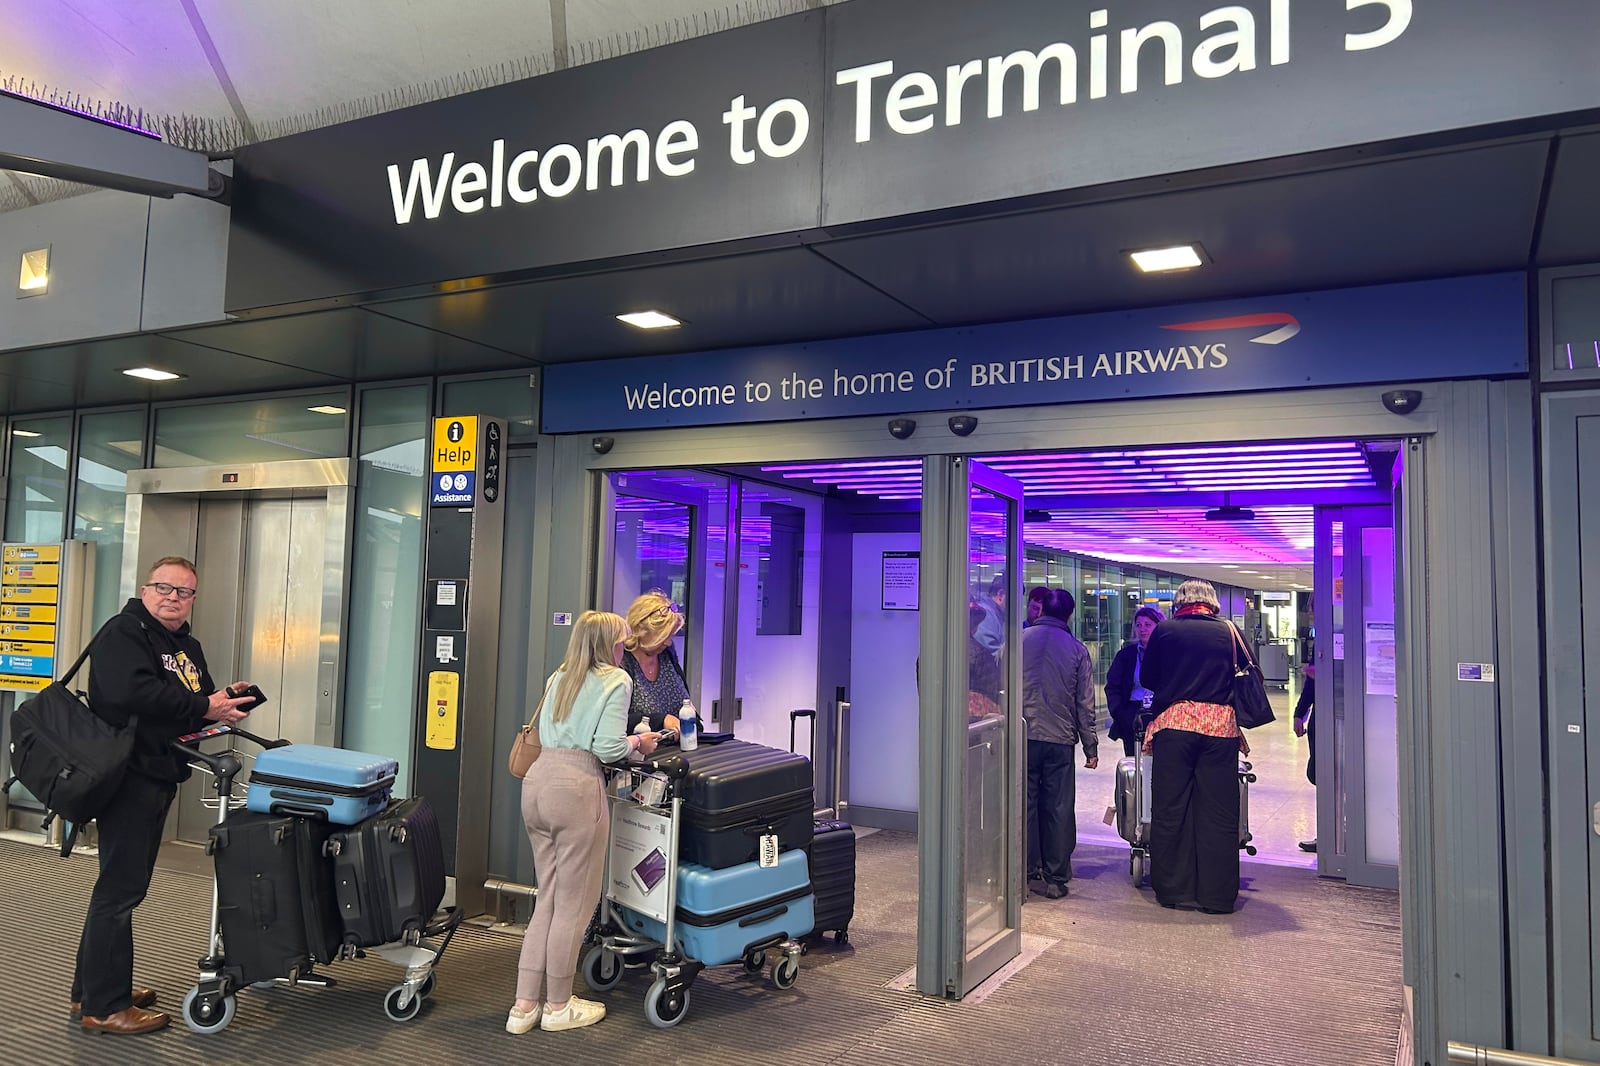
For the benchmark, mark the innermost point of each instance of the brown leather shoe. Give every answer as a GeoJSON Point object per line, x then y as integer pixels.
{"type": "Point", "coordinates": [142, 997]}
{"type": "Point", "coordinates": [130, 1022]}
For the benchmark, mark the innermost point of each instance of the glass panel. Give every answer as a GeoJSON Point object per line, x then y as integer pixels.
{"type": "Point", "coordinates": [1381, 733]}
{"type": "Point", "coordinates": [264, 430]}
{"type": "Point", "coordinates": [985, 830]}
{"type": "Point", "coordinates": [109, 445]}
{"type": "Point", "coordinates": [385, 574]}
{"type": "Point", "coordinates": [658, 518]}
{"type": "Point", "coordinates": [510, 398]}
{"type": "Point", "coordinates": [37, 508]}
{"type": "Point", "coordinates": [780, 550]}
{"type": "Point", "coordinates": [1575, 316]}
{"type": "Point", "coordinates": [1337, 636]}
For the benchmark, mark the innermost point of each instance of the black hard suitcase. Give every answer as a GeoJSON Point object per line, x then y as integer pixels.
{"type": "Point", "coordinates": [274, 895]}
{"type": "Point", "coordinates": [388, 874]}
{"type": "Point", "coordinates": [833, 878]}
{"type": "Point", "coordinates": [736, 793]}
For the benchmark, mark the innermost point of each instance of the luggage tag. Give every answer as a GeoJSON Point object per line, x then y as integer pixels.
{"type": "Point", "coordinates": [650, 791]}
{"type": "Point", "coordinates": [769, 850]}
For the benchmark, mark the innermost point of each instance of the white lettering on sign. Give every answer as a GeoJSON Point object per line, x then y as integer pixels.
{"type": "Point", "coordinates": [1222, 42]}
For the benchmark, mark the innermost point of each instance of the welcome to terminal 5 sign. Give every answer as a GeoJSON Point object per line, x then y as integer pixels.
{"type": "Point", "coordinates": [875, 109]}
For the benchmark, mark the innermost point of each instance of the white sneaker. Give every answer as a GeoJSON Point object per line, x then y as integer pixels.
{"type": "Point", "coordinates": [575, 1015]}
{"type": "Point", "coordinates": [522, 1021]}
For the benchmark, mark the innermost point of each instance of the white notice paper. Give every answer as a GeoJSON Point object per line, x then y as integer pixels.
{"type": "Point", "coordinates": [444, 649]}
{"type": "Point", "coordinates": [447, 594]}
{"type": "Point", "coordinates": [1380, 658]}
{"type": "Point", "coordinates": [901, 572]}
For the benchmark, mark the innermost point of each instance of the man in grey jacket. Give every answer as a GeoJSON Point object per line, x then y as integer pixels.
{"type": "Point", "coordinates": [1058, 705]}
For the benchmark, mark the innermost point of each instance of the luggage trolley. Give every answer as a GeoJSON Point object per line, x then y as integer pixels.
{"type": "Point", "coordinates": [209, 1006]}
{"type": "Point", "coordinates": [646, 808]}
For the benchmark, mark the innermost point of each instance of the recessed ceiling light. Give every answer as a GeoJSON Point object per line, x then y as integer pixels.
{"type": "Point", "coordinates": [25, 433]}
{"type": "Point", "coordinates": [326, 409]}
{"type": "Point", "coordinates": [152, 374]}
{"type": "Point", "coordinates": [649, 320]}
{"type": "Point", "coordinates": [1175, 257]}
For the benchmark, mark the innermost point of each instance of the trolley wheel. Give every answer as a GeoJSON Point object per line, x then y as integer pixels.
{"type": "Point", "coordinates": [1249, 849]}
{"type": "Point", "coordinates": [1136, 868]}
{"type": "Point", "coordinates": [785, 972]}
{"type": "Point", "coordinates": [204, 1017]}
{"type": "Point", "coordinates": [665, 1009]}
{"type": "Point", "coordinates": [753, 961]}
{"type": "Point", "coordinates": [391, 1004]}
{"type": "Point", "coordinates": [425, 989]}
{"type": "Point", "coordinates": [841, 938]}
{"type": "Point", "coordinates": [602, 968]}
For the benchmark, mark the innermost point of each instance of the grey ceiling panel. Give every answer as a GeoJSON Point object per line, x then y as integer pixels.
{"type": "Point", "coordinates": [1571, 230]}
{"type": "Point", "coordinates": [91, 373]}
{"type": "Point", "coordinates": [352, 344]}
{"type": "Point", "coordinates": [774, 296]}
{"type": "Point", "coordinates": [1449, 214]}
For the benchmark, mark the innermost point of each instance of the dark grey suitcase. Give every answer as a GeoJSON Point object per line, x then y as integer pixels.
{"type": "Point", "coordinates": [388, 874]}
{"type": "Point", "coordinates": [274, 895]}
{"type": "Point", "coordinates": [737, 792]}
{"type": "Point", "coordinates": [833, 878]}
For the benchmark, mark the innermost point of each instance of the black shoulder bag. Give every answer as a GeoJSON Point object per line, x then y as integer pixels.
{"type": "Point", "coordinates": [1251, 708]}
{"type": "Point", "coordinates": [70, 758]}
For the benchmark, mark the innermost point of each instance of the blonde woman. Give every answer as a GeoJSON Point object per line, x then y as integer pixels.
{"type": "Point", "coordinates": [581, 725]}
{"type": "Point", "coordinates": [659, 687]}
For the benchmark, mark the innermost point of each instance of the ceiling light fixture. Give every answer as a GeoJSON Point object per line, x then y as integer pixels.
{"type": "Point", "coordinates": [34, 279]}
{"type": "Point", "coordinates": [25, 433]}
{"type": "Point", "coordinates": [649, 320]}
{"type": "Point", "coordinates": [326, 409]}
{"type": "Point", "coordinates": [1173, 257]}
{"type": "Point", "coordinates": [152, 374]}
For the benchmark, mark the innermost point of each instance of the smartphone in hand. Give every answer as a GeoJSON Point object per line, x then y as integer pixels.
{"type": "Point", "coordinates": [253, 691]}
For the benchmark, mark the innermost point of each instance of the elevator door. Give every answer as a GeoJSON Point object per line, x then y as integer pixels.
{"type": "Point", "coordinates": [259, 618]}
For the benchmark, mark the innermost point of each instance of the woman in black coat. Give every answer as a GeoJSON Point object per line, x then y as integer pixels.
{"type": "Point", "coordinates": [1125, 688]}
{"type": "Point", "coordinates": [1195, 743]}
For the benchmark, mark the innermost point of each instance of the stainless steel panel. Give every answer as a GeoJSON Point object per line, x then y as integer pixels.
{"type": "Point", "coordinates": [255, 478]}
{"type": "Point", "coordinates": [337, 528]}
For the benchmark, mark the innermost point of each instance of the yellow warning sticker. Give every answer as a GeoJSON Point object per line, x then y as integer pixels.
{"type": "Point", "coordinates": [444, 691]}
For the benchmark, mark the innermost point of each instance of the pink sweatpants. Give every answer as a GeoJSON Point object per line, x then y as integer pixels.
{"type": "Point", "coordinates": [568, 819]}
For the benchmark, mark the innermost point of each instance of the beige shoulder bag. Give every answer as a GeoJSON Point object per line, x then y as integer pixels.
{"type": "Point", "coordinates": [525, 747]}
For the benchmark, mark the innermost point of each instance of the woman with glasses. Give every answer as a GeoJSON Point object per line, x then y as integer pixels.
{"type": "Point", "coordinates": [659, 687]}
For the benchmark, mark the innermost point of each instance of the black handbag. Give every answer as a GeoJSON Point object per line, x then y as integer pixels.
{"type": "Point", "coordinates": [1251, 708]}
{"type": "Point", "coordinates": [70, 758]}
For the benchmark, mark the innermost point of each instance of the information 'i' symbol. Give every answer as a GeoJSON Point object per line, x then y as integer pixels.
{"type": "Point", "coordinates": [455, 432]}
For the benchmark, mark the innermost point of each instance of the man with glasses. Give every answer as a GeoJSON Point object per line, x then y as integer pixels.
{"type": "Point", "coordinates": [146, 665]}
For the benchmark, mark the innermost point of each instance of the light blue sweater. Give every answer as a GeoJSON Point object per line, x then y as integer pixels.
{"type": "Point", "coordinates": [598, 718]}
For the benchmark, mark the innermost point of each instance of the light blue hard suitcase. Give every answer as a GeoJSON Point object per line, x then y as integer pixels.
{"type": "Point", "coordinates": [722, 912]}
{"type": "Point", "coordinates": [332, 784]}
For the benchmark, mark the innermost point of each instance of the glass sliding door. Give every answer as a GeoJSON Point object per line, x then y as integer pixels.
{"type": "Point", "coordinates": [970, 828]}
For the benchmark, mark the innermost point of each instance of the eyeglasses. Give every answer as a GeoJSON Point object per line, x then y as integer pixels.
{"type": "Point", "coordinates": [167, 590]}
{"type": "Point", "coordinates": [666, 608]}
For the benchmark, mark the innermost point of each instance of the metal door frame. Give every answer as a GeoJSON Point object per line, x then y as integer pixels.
{"type": "Point", "coordinates": [146, 541]}
{"type": "Point", "coordinates": [944, 966]}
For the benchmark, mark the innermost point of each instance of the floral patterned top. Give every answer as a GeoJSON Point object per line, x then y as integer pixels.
{"type": "Point", "coordinates": [655, 699]}
{"type": "Point", "coordinates": [1207, 719]}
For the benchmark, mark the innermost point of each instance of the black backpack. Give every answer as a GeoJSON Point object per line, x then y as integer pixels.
{"type": "Point", "coordinates": [70, 758]}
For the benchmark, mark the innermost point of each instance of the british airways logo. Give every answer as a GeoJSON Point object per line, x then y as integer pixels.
{"type": "Point", "coordinates": [1287, 326]}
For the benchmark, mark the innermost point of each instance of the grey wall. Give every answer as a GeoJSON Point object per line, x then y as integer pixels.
{"type": "Point", "coordinates": [119, 263]}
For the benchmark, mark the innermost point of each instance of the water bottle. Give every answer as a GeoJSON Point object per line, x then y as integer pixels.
{"type": "Point", "coordinates": [688, 731]}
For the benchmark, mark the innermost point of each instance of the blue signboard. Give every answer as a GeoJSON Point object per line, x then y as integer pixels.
{"type": "Point", "coordinates": [453, 488]}
{"type": "Point", "coordinates": [1460, 328]}
{"type": "Point", "coordinates": [29, 665]}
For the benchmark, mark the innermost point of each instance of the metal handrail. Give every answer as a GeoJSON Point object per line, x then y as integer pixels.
{"type": "Point", "coordinates": [1478, 1055]}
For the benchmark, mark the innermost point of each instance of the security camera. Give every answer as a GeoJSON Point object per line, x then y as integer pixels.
{"type": "Point", "coordinates": [963, 425]}
{"type": "Point", "coordinates": [601, 445]}
{"type": "Point", "coordinates": [1402, 401]}
{"type": "Point", "coordinates": [902, 428]}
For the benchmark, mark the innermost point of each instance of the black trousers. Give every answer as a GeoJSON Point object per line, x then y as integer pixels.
{"type": "Point", "coordinates": [1052, 821]}
{"type": "Point", "coordinates": [130, 837]}
{"type": "Point", "coordinates": [1194, 819]}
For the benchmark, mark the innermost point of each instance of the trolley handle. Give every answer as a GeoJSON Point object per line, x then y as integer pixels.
{"type": "Point", "coordinates": [225, 766]}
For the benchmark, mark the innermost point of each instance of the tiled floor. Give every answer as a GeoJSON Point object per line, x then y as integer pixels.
{"type": "Point", "coordinates": [1283, 804]}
